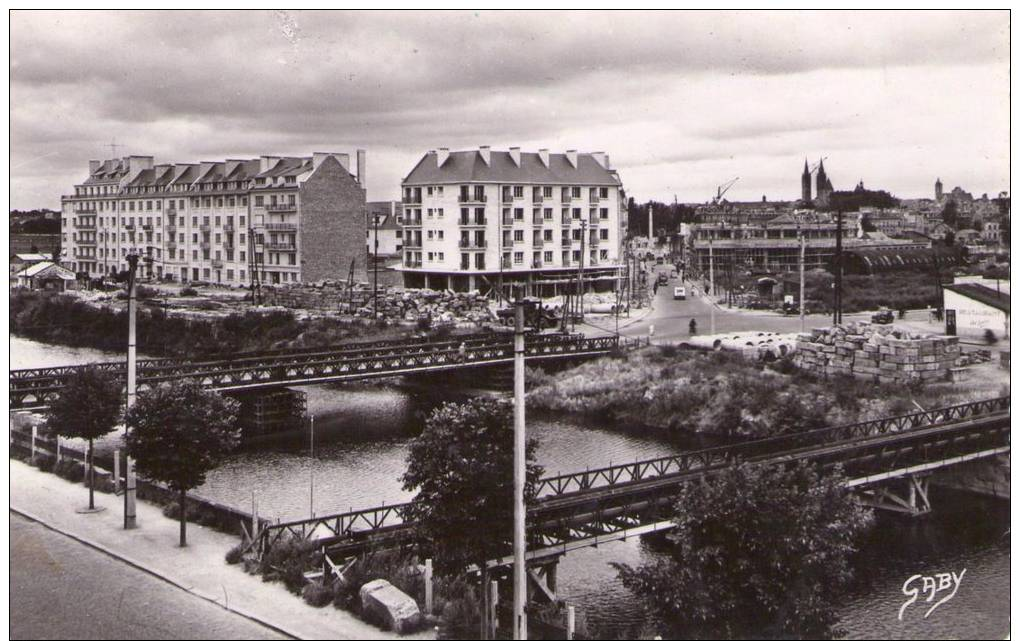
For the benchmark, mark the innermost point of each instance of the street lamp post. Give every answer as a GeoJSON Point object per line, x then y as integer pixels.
{"type": "Point", "coordinates": [375, 269]}
{"type": "Point", "coordinates": [520, 625]}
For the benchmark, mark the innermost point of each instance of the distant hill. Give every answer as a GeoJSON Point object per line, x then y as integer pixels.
{"type": "Point", "coordinates": [35, 221]}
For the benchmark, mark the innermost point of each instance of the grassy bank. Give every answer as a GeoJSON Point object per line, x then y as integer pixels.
{"type": "Point", "coordinates": [67, 320]}
{"type": "Point", "coordinates": [895, 290]}
{"type": "Point", "coordinates": [722, 394]}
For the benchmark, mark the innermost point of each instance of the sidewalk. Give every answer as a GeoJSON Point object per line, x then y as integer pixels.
{"type": "Point", "coordinates": [199, 568]}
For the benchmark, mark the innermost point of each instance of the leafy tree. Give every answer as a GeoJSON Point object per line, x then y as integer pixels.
{"type": "Point", "coordinates": [179, 432]}
{"type": "Point", "coordinates": [88, 407]}
{"type": "Point", "coordinates": [758, 552]}
{"type": "Point", "coordinates": [462, 468]}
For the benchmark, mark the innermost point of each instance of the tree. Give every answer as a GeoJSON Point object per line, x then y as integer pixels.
{"type": "Point", "coordinates": [462, 468]}
{"type": "Point", "coordinates": [88, 407]}
{"type": "Point", "coordinates": [757, 552]}
{"type": "Point", "coordinates": [179, 432]}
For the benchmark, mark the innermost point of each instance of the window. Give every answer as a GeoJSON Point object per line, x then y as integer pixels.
{"type": "Point", "coordinates": [440, 256]}
{"type": "Point", "coordinates": [518, 191]}
{"type": "Point", "coordinates": [430, 256]}
{"type": "Point", "coordinates": [439, 190]}
{"type": "Point", "coordinates": [547, 192]}
{"type": "Point", "coordinates": [548, 257]}
{"type": "Point", "coordinates": [547, 213]}
{"type": "Point", "coordinates": [430, 234]}
{"type": "Point", "coordinates": [430, 212]}
{"type": "Point", "coordinates": [518, 258]}
{"type": "Point", "coordinates": [439, 234]}
{"type": "Point", "coordinates": [603, 234]}
{"type": "Point", "coordinates": [604, 254]}
{"type": "Point", "coordinates": [547, 235]}
{"type": "Point", "coordinates": [518, 213]}
{"type": "Point", "coordinates": [439, 212]}
{"type": "Point", "coordinates": [604, 213]}
{"type": "Point", "coordinates": [575, 192]}
{"type": "Point", "coordinates": [518, 236]}
{"type": "Point", "coordinates": [603, 192]}
{"type": "Point", "coordinates": [259, 200]}
{"type": "Point", "coordinates": [428, 191]}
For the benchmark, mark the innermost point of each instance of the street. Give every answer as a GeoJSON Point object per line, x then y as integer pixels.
{"type": "Point", "coordinates": [63, 589]}
{"type": "Point", "coordinates": [672, 318]}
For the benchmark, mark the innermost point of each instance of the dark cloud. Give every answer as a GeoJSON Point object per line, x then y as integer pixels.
{"type": "Point", "coordinates": [226, 83]}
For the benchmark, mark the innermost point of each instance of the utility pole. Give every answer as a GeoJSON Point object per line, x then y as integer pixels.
{"type": "Point", "coordinates": [837, 311]}
{"type": "Point", "coordinates": [132, 364]}
{"type": "Point", "coordinates": [711, 286]}
{"type": "Point", "coordinates": [311, 466]}
{"type": "Point", "coordinates": [650, 227]}
{"type": "Point", "coordinates": [375, 270]}
{"type": "Point", "coordinates": [520, 625]}
{"type": "Point", "coordinates": [801, 280]}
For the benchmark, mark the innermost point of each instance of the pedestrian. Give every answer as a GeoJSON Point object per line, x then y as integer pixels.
{"type": "Point", "coordinates": [462, 352]}
{"type": "Point", "coordinates": [693, 326]}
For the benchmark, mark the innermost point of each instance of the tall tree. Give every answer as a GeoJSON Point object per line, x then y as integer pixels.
{"type": "Point", "coordinates": [757, 552]}
{"type": "Point", "coordinates": [177, 433]}
{"type": "Point", "coordinates": [88, 407]}
{"type": "Point", "coordinates": [462, 468]}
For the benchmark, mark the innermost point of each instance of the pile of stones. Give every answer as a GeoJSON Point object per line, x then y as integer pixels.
{"type": "Point", "coordinates": [883, 353]}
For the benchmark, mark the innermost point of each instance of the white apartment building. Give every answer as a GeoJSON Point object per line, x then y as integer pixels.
{"type": "Point", "coordinates": [484, 219]}
{"type": "Point", "coordinates": [272, 219]}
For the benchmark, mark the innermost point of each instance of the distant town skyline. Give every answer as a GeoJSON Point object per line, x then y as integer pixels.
{"type": "Point", "coordinates": [681, 101]}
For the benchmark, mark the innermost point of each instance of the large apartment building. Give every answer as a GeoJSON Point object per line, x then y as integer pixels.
{"type": "Point", "coordinates": [484, 219]}
{"type": "Point", "coordinates": [275, 219]}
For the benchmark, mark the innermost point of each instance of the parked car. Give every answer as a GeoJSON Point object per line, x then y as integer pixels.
{"type": "Point", "coordinates": [679, 293]}
{"type": "Point", "coordinates": [882, 317]}
{"type": "Point", "coordinates": [663, 279]}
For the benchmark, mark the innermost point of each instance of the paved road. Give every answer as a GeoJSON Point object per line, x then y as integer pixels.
{"type": "Point", "coordinates": [672, 318]}
{"type": "Point", "coordinates": [62, 589]}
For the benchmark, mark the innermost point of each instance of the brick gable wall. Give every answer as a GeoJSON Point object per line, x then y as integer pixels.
{"type": "Point", "coordinates": [332, 226]}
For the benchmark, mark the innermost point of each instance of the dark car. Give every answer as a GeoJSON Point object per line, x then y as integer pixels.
{"type": "Point", "coordinates": [882, 317]}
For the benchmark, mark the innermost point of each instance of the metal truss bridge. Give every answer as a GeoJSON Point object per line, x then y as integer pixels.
{"type": "Point", "coordinates": [596, 506]}
{"type": "Point", "coordinates": [33, 388]}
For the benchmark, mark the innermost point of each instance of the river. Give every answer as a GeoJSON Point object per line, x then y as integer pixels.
{"type": "Point", "coordinates": [362, 433]}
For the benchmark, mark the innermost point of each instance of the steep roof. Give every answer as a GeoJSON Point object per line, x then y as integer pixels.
{"type": "Point", "coordinates": [41, 268]}
{"type": "Point", "coordinates": [982, 294]}
{"type": "Point", "coordinates": [468, 166]}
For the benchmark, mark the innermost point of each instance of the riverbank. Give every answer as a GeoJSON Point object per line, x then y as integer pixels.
{"type": "Point", "coordinates": [198, 568]}
{"type": "Point", "coordinates": [68, 320]}
{"type": "Point", "coordinates": [722, 394]}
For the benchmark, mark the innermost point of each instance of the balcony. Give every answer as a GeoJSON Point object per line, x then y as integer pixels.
{"type": "Point", "coordinates": [229, 229]}
{"type": "Point", "coordinates": [473, 244]}
{"type": "Point", "coordinates": [412, 222]}
{"type": "Point", "coordinates": [205, 229]}
{"type": "Point", "coordinates": [171, 245]}
{"type": "Point", "coordinates": [88, 242]}
{"type": "Point", "coordinates": [171, 230]}
{"type": "Point", "coordinates": [412, 244]}
{"type": "Point", "coordinates": [472, 198]}
{"type": "Point", "coordinates": [412, 200]}
{"type": "Point", "coordinates": [217, 264]}
{"type": "Point", "coordinates": [566, 242]}
{"type": "Point", "coordinates": [472, 222]}
{"type": "Point", "coordinates": [412, 263]}
{"type": "Point", "coordinates": [86, 226]}
{"type": "Point", "coordinates": [281, 247]}
{"type": "Point", "coordinates": [147, 228]}
{"type": "Point", "coordinates": [565, 220]}
{"type": "Point", "coordinates": [508, 220]}
{"type": "Point", "coordinates": [281, 208]}
{"type": "Point", "coordinates": [536, 264]}
{"type": "Point", "coordinates": [537, 199]}
{"type": "Point", "coordinates": [204, 245]}
{"type": "Point", "coordinates": [538, 242]}
{"type": "Point", "coordinates": [128, 227]}
{"type": "Point", "coordinates": [593, 220]}
{"type": "Point", "coordinates": [278, 227]}
{"type": "Point", "coordinates": [537, 219]}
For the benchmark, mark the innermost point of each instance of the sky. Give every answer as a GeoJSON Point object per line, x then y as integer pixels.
{"type": "Point", "coordinates": [680, 101]}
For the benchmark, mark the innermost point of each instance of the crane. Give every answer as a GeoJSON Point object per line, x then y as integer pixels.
{"type": "Point", "coordinates": [721, 190]}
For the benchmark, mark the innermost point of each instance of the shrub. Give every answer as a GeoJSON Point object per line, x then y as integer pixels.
{"type": "Point", "coordinates": [990, 337]}
{"type": "Point", "coordinates": [235, 554]}
{"type": "Point", "coordinates": [45, 463]}
{"type": "Point", "coordinates": [70, 470]}
{"type": "Point", "coordinates": [189, 291]}
{"type": "Point", "coordinates": [287, 561]}
{"type": "Point", "coordinates": [460, 612]}
{"type": "Point", "coordinates": [316, 594]}
{"type": "Point", "coordinates": [397, 567]}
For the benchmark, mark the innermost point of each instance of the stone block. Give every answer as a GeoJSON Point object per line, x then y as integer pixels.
{"type": "Point", "coordinates": [392, 608]}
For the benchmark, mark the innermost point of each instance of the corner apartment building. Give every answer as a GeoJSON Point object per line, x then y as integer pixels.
{"type": "Point", "coordinates": [274, 218]}
{"type": "Point", "coordinates": [486, 220]}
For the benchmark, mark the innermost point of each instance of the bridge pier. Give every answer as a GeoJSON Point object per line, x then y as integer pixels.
{"type": "Point", "coordinates": [908, 495]}
{"type": "Point", "coordinates": [271, 411]}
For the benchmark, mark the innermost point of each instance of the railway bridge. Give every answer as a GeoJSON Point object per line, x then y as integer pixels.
{"type": "Point", "coordinates": [888, 461]}
{"type": "Point", "coordinates": [32, 389]}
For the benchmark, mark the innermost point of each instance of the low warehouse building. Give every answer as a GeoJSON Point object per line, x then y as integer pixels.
{"type": "Point", "coordinates": [972, 307]}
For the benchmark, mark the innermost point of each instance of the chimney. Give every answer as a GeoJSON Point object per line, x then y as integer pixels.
{"type": "Point", "coordinates": [515, 155]}
{"type": "Point", "coordinates": [360, 159]}
{"type": "Point", "coordinates": [572, 157]}
{"type": "Point", "coordinates": [485, 154]}
{"type": "Point", "coordinates": [94, 166]}
{"type": "Point", "coordinates": [600, 158]}
{"type": "Point", "coordinates": [138, 163]}
{"type": "Point", "coordinates": [267, 162]}
{"type": "Point", "coordinates": [543, 155]}
{"type": "Point", "coordinates": [444, 153]}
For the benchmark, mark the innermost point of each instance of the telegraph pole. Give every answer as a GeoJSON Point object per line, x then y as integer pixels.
{"type": "Point", "coordinates": [520, 625]}
{"type": "Point", "coordinates": [129, 485]}
{"type": "Point", "coordinates": [311, 466]}
{"type": "Point", "coordinates": [580, 274]}
{"type": "Point", "coordinates": [837, 312]}
{"type": "Point", "coordinates": [375, 270]}
{"type": "Point", "coordinates": [711, 286]}
{"type": "Point", "coordinates": [801, 281]}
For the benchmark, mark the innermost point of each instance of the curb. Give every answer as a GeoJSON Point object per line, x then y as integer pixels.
{"type": "Point", "coordinates": [152, 572]}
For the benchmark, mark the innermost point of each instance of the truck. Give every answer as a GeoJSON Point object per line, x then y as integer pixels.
{"type": "Point", "coordinates": [679, 293]}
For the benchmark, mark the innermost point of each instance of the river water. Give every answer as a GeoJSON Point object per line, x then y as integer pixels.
{"type": "Point", "coordinates": [362, 433]}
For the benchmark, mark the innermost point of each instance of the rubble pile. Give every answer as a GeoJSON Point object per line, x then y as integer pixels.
{"type": "Point", "coordinates": [883, 353]}
{"type": "Point", "coordinates": [393, 304]}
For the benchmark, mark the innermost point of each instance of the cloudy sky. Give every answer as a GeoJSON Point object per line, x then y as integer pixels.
{"type": "Point", "coordinates": [680, 101]}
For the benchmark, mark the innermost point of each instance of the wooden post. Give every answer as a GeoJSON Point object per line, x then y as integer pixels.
{"type": "Point", "coordinates": [129, 493]}
{"type": "Point", "coordinates": [570, 622]}
{"type": "Point", "coordinates": [493, 603]}
{"type": "Point", "coordinates": [428, 586]}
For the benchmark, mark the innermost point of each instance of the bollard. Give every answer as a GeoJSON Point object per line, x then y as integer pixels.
{"type": "Point", "coordinates": [428, 586]}
{"type": "Point", "coordinates": [129, 494]}
{"type": "Point", "coordinates": [35, 434]}
{"type": "Point", "coordinates": [570, 622]}
{"type": "Point", "coordinates": [493, 603]}
{"type": "Point", "coordinates": [116, 470]}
